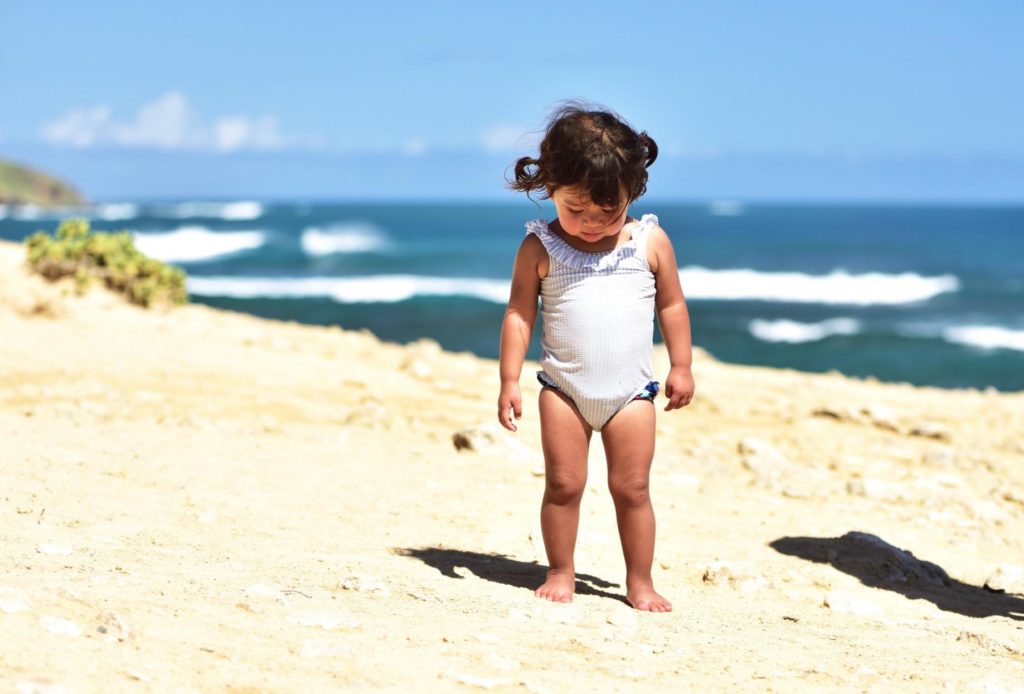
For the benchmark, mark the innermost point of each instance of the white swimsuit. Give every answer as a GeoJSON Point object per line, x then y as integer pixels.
{"type": "Point", "coordinates": [598, 322]}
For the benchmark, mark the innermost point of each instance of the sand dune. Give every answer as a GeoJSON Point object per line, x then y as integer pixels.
{"type": "Point", "coordinates": [198, 500]}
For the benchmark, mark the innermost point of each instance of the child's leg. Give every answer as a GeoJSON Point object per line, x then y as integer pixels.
{"type": "Point", "coordinates": [566, 440]}
{"type": "Point", "coordinates": [629, 446]}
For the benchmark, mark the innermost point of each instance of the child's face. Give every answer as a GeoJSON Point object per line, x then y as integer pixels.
{"type": "Point", "coordinates": [582, 218]}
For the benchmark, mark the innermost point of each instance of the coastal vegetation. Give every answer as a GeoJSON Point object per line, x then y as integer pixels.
{"type": "Point", "coordinates": [22, 185]}
{"type": "Point", "coordinates": [109, 257]}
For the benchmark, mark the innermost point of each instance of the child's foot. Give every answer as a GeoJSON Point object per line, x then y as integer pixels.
{"type": "Point", "coordinates": [645, 599]}
{"type": "Point", "coordinates": [559, 586]}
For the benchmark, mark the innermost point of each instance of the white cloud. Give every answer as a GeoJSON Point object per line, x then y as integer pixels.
{"type": "Point", "coordinates": [504, 137]}
{"type": "Point", "coordinates": [80, 127]}
{"type": "Point", "coordinates": [239, 132]}
{"type": "Point", "coordinates": [169, 122]}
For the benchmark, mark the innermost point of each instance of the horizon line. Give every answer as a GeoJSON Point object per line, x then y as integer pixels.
{"type": "Point", "coordinates": [494, 200]}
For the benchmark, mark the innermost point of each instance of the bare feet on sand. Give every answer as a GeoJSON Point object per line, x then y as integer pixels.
{"type": "Point", "coordinates": [559, 586]}
{"type": "Point", "coordinates": [643, 597]}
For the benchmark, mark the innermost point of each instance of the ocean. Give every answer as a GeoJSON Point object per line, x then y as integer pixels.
{"type": "Point", "coordinates": [930, 295]}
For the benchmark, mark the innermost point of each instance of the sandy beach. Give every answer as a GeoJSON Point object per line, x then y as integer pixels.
{"type": "Point", "coordinates": [197, 500]}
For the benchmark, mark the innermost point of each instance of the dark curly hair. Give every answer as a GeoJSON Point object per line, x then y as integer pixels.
{"type": "Point", "coordinates": [593, 149]}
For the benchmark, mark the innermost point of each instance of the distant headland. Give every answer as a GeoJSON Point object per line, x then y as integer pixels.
{"type": "Point", "coordinates": [21, 185]}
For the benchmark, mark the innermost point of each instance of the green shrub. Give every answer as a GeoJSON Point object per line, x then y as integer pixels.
{"type": "Point", "coordinates": [108, 257]}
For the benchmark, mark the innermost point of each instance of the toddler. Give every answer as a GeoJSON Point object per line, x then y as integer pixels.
{"type": "Point", "coordinates": [601, 277]}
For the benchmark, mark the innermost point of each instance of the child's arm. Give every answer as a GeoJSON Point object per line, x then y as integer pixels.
{"type": "Point", "coordinates": [517, 327]}
{"type": "Point", "coordinates": [673, 318]}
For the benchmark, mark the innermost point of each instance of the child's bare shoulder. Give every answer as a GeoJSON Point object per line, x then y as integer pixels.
{"type": "Point", "coordinates": [533, 255]}
{"type": "Point", "coordinates": [532, 244]}
{"type": "Point", "coordinates": [659, 247]}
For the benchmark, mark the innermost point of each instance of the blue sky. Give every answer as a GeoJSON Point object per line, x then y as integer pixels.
{"type": "Point", "coordinates": [755, 100]}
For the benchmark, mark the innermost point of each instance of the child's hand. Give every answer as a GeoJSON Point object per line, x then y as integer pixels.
{"type": "Point", "coordinates": [678, 387]}
{"type": "Point", "coordinates": [510, 402]}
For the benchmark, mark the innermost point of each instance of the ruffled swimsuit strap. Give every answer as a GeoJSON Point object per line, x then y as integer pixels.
{"type": "Point", "coordinates": [555, 246]}
{"type": "Point", "coordinates": [642, 233]}
{"type": "Point", "coordinates": [576, 259]}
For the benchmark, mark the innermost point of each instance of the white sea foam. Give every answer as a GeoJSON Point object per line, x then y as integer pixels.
{"type": "Point", "coordinates": [725, 208]}
{"type": "Point", "coordinates": [837, 287]}
{"type": "Point", "coordinates": [116, 211]}
{"type": "Point", "coordinates": [372, 289]}
{"type": "Point", "coordinates": [985, 336]}
{"type": "Point", "coordinates": [242, 210]}
{"type": "Point", "coordinates": [32, 212]}
{"type": "Point", "coordinates": [342, 238]}
{"type": "Point", "coordinates": [27, 212]}
{"type": "Point", "coordinates": [195, 243]}
{"type": "Point", "coordinates": [233, 211]}
{"type": "Point", "coordinates": [795, 332]}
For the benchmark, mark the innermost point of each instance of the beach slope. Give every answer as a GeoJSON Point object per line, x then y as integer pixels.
{"type": "Point", "coordinates": [201, 500]}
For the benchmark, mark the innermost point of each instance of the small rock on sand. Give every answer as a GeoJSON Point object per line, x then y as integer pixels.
{"type": "Point", "coordinates": [841, 601]}
{"type": "Point", "coordinates": [114, 626]}
{"type": "Point", "coordinates": [476, 438]}
{"type": "Point", "coordinates": [830, 412]}
{"type": "Point", "coordinates": [990, 645]}
{"type": "Point", "coordinates": [324, 620]}
{"type": "Point", "coordinates": [736, 576]}
{"type": "Point", "coordinates": [418, 358]}
{"type": "Point", "coordinates": [1013, 495]}
{"type": "Point", "coordinates": [13, 600]}
{"type": "Point", "coordinates": [320, 648]}
{"type": "Point", "coordinates": [718, 573]}
{"type": "Point", "coordinates": [417, 367]}
{"type": "Point", "coordinates": [987, 511]}
{"type": "Point", "coordinates": [881, 416]}
{"type": "Point", "coordinates": [942, 458]}
{"type": "Point", "coordinates": [56, 625]}
{"type": "Point", "coordinates": [876, 489]}
{"type": "Point", "coordinates": [502, 663]}
{"type": "Point", "coordinates": [59, 550]}
{"type": "Point", "coordinates": [365, 583]}
{"type": "Point", "coordinates": [477, 681]}
{"type": "Point", "coordinates": [931, 430]}
{"type": "Point", "coordinates": [491, 437]}
{"type": "Point", "coordinates": [762, 459]}
{"type": "Point", "coordinates": [1007, 578]}
{"type": "Point", "coordinates": [758, 447]}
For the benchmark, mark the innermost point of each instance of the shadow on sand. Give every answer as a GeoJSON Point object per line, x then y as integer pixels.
{"type": "Point", "coordinates": [500, 568]}
{"type": "Point", "coordinates": [878, 564]}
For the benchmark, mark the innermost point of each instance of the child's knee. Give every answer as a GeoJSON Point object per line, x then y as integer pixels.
{"type": "Point", "coordinates": [629, 490]}
{"type": "Point", "coordinates": [562, 488]}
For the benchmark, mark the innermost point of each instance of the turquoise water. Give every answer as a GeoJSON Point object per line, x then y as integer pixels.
{"type": "Point", "coordinates": [928, 295]}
